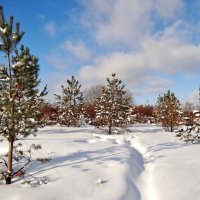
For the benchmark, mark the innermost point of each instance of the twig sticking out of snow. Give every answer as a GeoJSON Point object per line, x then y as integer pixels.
{"type": "Point", "coordinates": [98, 182]}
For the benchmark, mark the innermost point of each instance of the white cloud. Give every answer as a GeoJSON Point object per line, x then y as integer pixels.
{"type": "Point", "coordinates": [78, 50]}
{"type": "Point", "coordinates": [126, 22]}
{"type": "Point", "coordinates": [172, 56]}
{"type": "Point", "coordinates": [181, 30]}
{"type": "Point", "coordinates": [168, 9]}
{"type": "Point", "coordinates": [129, 66]}
{"type": "Point", "coordinates": [123, 22]}
{"type": "Point", "coordinates": [57, 60]}
{"type": "Point", "coordinates": [50, 28]}
{"type": "Point", "coordinates": [118, 22]}
{"type": "Point", "coordinates": [150, 51]}
{"type": "Point", "coordinates": [160, 56]}
{"type": "Point", "coordinates": [166, 56]}
{"type": "Point", "coordinates": [158, 85]}
{"type": "Point", "coordinates": [68, 54]}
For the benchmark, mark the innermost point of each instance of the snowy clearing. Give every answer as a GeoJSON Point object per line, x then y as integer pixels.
{"type": "Point", "coordinates": [147, 164]}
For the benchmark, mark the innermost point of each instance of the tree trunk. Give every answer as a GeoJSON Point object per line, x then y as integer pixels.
{"type": "Point", "coordinates": [10, 162]}
{"type": "Point", "coordinates": [171, 128]}
{"type": "Point", "coordinates": [10, 139]}
{"type": "Point", "coordinates": [109, 130]}
{"type": "Point", "coordinates": [171, 125]}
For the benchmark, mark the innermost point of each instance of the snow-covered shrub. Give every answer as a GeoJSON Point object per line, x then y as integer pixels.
{"type": "Point", "coordinates": [190, 132]}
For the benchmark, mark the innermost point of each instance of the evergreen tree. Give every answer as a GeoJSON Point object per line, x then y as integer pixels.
{"type": "Point", "coordinates": [70, 104]}
{"type": "Point", "coordinates": [19, 97]}
{"type": "Point", "coordinates": [189, 131]}
{"type": "Point", "coordinates": [168, 110]}
{"type": "Point", "coordinates": [113, 107]}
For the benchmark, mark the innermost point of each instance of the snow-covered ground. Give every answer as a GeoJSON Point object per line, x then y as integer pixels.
{"type": "Point", "coordinates": [147, 164]}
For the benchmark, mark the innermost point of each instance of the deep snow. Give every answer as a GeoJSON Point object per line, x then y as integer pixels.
{"type": "Point", "coordinates": [147, 164]}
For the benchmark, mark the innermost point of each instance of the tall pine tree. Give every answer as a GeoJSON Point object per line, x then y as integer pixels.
{"type": "Point", "coordinates": [168, 110]}
{"type": "Point", "coordinates": [70, 102]}
{"type": "Point", "coordinates": [113, 107]}
{"type": "Point", "coordinates": [20, 98]}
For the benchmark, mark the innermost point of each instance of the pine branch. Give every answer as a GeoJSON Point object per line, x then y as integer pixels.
{"type": "Point", "coordinates": [4, 162]}
{"type": "Point", "coordinates": [20, 169]}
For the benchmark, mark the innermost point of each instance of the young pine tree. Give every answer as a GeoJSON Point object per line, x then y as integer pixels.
{"type": "Point", "coordinates": [190, 132]}
{"type": "Point", "coordinates": [19, 96]}
{"type": "Point", "coordinates": [168, 110]}
{"type": "Point", "coordinates": [190, 129]}
{"type": "Point", "coordinates": [113, 107]}
{"type": "Point", "coordinates": [70, 104]}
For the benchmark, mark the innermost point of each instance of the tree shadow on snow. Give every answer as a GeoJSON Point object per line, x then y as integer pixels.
{"type": "Point", "coordinates": [80, 158]}
{"type": "Point", "coordinates": [164, 146]}
{"type": "Point", "coordinates": [161, 147]}
{"type": "Point", "coordinates": [146, 129]}
{"type": "Point", "coordinates": [114, 155]}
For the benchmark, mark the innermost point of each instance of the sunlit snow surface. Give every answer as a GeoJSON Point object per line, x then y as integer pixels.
{"type": "Point", "coordinates": [147, 164]}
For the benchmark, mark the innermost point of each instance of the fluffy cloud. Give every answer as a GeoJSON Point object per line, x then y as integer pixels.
{"type": "Point", "coordinates": [168, 9]}
{"type": "Point", "coordinates": [127, 22]}
{"type": "Point", "coordinates": [165, 56]}
{"type": "Point", "coordinates": [78, 50]}
{"type": "Point", "coordinates": [144, 42]}
{"type": "Point", "coordinates": [158, 85]}
{"type": "Point", "coordinates": [67, 54]}
{"type": "Point", "coordinates": [130, 66]}
{"type": "Point", "coordinates": [171, 56]}
{"type": "Point", "coordinates": [159, 56]}
{"type": "Point", "coordinates": [57, 59]}
{"type": "Point", "coordinates": [118, 21]}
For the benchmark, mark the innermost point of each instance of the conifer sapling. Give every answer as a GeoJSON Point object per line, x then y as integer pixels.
{"type": "Point", "coordinates": [20, 98]}
{"type": "Point", "coordinates": [168, 110]}
{"type": "Point", "coordinates": [70, 104]}
{"type": "Point", "coordinates": [113, 107]}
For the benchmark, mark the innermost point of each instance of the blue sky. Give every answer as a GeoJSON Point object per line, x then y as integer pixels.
{"type": "Point", "coordinates": [152, 45]}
